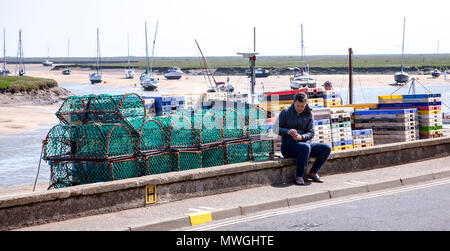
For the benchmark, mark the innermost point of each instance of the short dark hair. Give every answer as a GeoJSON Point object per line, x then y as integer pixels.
{"type": "Point", "coordinates": [300, 97]}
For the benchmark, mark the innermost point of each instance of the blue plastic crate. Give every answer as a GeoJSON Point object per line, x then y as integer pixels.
{"type": "Point", "coordinates": [331, 96]}
{"type": "Point", "coordinates": [343, 143]}
{"type": "Point", "coordinates": [409, 105]}
{"type": "Point", "coordinates": [385, 111]}
{"type": "Point", "coordinates": [437, 95]}
{"type": "Point", "coordinates": [362, 132]}
{"type": "Point", "coordinates": [322, 122]}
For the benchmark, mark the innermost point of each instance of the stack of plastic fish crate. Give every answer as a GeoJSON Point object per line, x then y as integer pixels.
{"type": "Point", "coordinates": [331, 98]}
{"type": "Point", "coordinates": [192, 102]}
{"type": "Point", "coordinates": [341, 130]}
{"type": "Point", "coordinates": [429, 108]}
{"type": "Point", "coordinates": [389, 126]}
{"type": "Point", "coordinates": [322, 126]}
{"type": "Point", "coordinates": [362, 138]}
{"type": "Point", "coordinates": [315, 97]}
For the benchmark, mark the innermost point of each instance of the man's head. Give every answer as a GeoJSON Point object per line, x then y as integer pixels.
{"type": "Point", "coordinates": [328, 85]}
{"type": "Point", "coordinates": [300, 102]}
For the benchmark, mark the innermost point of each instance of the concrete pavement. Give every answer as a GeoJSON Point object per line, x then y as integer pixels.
{"type": "Point", "coordinates": [184, 213]}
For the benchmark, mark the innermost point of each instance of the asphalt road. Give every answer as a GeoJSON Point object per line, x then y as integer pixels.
{"type": "Point", "coordinates": [421, 207]}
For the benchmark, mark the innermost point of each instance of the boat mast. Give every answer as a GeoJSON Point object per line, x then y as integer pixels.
{"type": "Point", "coordinates": [99, 62]}
{"type": "Point", "coordinates": [303, 46]}
{"type": "Point", "coordinates": [403, 43]}
{"type": "Point", "coordinates": [146, 50]}
{"type": "Point", "coordinates": [128, 39]}
{"type": "Point", "coordinates": [68, 48]}
{"type": "Point", "coordinates": [4, 49]}
{"type": "Point", "coordinates": [153, 49]}
{"type": "Point", "coordinates": [20, 59]}
{"type": "Point", "coordinates": [205, 65]}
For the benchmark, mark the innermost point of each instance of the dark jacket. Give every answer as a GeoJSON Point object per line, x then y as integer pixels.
{"type": "Point", "coordinates": [290, 119]}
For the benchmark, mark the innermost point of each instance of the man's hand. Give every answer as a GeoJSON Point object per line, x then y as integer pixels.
{"type": "Point", "coordinates": [293, 133]}
{"type": "Point", "coordinates": [298, 137]}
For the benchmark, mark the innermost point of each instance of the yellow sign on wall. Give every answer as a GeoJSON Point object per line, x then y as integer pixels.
{"type": "Point", "coordinates": [150, 194]}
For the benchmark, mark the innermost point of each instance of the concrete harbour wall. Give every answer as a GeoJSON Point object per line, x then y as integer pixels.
{"type": "Point", "coordinates": [60, 204]}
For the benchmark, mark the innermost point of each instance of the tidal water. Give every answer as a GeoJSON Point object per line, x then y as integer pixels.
{"type": "Point", "coordinates": [20, 152]}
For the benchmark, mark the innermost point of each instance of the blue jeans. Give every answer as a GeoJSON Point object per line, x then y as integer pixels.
{"type": "Point", "coordinates": [303, 151]}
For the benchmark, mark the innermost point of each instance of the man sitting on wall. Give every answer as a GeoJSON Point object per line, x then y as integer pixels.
{"type": "Point", "coordinates": [295, 125]}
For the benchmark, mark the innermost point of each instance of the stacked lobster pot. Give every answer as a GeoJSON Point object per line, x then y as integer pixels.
{"type": "Point", "coordinates": [362, 138]}
{"type": "Point", "coordinates": [96, 140]}
{"type": "Point", "coordinates": [195, 140]}
{"type": "Point", "coordinates": [341, 130]}
{"type": "Point", "coordinates": [261, 144]}
{"type": "Point", "coordinates": [105, 137]}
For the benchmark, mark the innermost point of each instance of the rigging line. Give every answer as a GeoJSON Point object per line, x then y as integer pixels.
{"type": "Point", "coordinates": [431, 93]}
{"type": "Point", "coordinates": [39, 166]}
{"type": "Point", "coordinates": [356, 64]}
{"type": "Point", "coordinates": [397, 89]}
{"type": "Point", "coordinates": [343, 77]}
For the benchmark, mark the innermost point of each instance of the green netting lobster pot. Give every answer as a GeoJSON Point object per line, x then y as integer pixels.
{"type": "Point", "coordinates": [61, 174]}
{"type": "Point", "coordinates": [236, 152]}
{"type": "Point", "coordinates": [103, 141]}
{"type": "Point", "coordinates": [152, 137]}
{"type": "Point", "coordinates": [164, 121]}
{"type": "Point", "coordinates": [60, 142]}
{"type": "Point", "coordinates": [124, 169]}
{"type": "Point", "coordinates": [209, 128]}
{"type": "Point", "coordinates": [155, 164]}
{"type": "Point", "coordinates": [72, 173]}
{"type": "Point", "coordinates": [256, 121]}
{"type": "Point", "coordinates": [261, 149]}
{"type": "Point", "coordinates": [186, 159]}
{"type": "Point", "coordinates": [233, 124]}
{"type": "Point", "coordinates": [73, 110]}
{"type": "Point", "coordinates": [128, 109]}
{"type": "Point", "coordinates": [213, 156]}
{"type": "Point", "coordinates": [182, 134]}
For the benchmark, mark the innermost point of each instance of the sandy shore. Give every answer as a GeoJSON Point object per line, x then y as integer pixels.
{"type": "Point", "coordinates": [15, 118]}
{"type": "Point", "coordinates": [197, 84]}
{"type": "Point", "coordinates": [22, 118]}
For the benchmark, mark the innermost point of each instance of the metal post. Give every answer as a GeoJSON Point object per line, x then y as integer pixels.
{"type": "Point", "coordinates": [253, 77]}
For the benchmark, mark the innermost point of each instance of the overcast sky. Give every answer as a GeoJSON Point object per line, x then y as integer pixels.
{"type": "Point", "coordinates": [224, 27]}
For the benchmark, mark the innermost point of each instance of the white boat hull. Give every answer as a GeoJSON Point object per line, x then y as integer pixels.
{"type": "Point", "coordinates": [129, 74]}
{"type": "Point", "coordinates": [173, 75]}
{"type": "Point", "coordinates": [96, 78]}
{"type": "Point", "coordinates": [303, 82]}
{"type": "Point", "coordinates": [148, 82]}
{"type": "Point", "coordinates": [401, 77]}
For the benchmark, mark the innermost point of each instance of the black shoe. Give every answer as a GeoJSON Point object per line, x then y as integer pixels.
{"type": "Point", "coordinates": [314, 177]}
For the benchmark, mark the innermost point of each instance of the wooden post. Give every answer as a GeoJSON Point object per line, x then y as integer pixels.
{"type": "Point", "coordinates": [350, 77]}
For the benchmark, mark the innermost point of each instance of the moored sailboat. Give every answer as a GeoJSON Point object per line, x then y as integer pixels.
{"type": "Point", "coordinates": [149, 82]}
{"type": "Point", "coordinates": [97, 77]}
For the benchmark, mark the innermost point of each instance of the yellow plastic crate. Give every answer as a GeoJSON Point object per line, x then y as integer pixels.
{"type": "Point", "coordinates": [362, 145]}
{"type": "Point", "coordinates": [329, 104]}
{"type": "Point", "coordinates": [430, 112]}
{"type": "Point", "coordinates": [341, 148]}
{"type": "Point", "coordinates": [391, 97]}
{"type": "Point", "coordinates": [362, 106]}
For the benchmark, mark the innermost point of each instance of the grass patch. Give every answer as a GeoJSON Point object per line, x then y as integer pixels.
{"type": "Point", "coordinates": [15, 84]}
